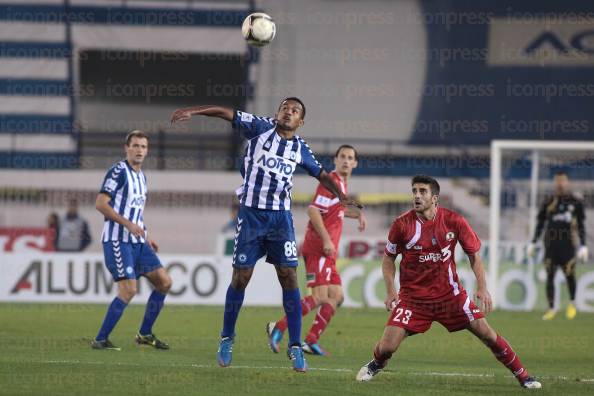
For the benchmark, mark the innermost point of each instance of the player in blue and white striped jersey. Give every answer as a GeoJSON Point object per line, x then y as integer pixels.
{"type": "Point", "coordinates": [264, 222]}
{"type": "Point", "coordinates": [127, 190]}
{"type": "Point", "coordinates": [128, 252]}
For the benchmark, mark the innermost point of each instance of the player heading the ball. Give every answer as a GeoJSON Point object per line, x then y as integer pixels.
{"type": "Point", "coordinates": [319, 250]}
{"type": "Point", "coordinates": [264, 221]}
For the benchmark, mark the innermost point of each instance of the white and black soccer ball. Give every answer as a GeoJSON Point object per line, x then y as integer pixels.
{"type": "Point", "coordinates": [258, 29]}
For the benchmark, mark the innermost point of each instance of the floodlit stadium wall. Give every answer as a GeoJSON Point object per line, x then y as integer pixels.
{"type": "Point", "coordinates": [457, 74]}
{"type": "Point", "coordinates": [462, 72]}
{"type": "Point", "coordinates": [45, 43]}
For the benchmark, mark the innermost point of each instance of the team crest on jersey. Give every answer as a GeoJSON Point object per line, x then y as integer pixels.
{"type": "Point", "coordinates": [450, 236]}
{"type": "Point", "coordinates": [433, 241]}
{"type": "Point", "coordinates": [293, 155]}
{"type": "Point", "coordinates": [267, 145]}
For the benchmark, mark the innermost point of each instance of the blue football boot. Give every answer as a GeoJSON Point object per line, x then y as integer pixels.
{"type": "Point", "coordinates": [225, 352]}
{"type": "Point", "coordinates": [313, 349]}
{"type": "Point", "coordinates": [275, 336]}
{"type": "Point", "coordinates": [295, 353]}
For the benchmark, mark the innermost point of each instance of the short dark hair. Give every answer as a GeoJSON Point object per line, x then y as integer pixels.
{"type": "Point", "coordinates": [561, 173]}
{"type": "Point", "coordinates": [346, 146]}
{"type": "Point", "coordinates": [295, 99]}
{"type": "Point", "coordinates": [136, 134]}
{"type": "Point", "coordinates": [424, 179]}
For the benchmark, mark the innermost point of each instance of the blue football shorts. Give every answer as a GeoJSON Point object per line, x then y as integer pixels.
{"type": "Point", "coordinates": [126, 260]}
{"type": "Point", "coordinates": [262, 232]}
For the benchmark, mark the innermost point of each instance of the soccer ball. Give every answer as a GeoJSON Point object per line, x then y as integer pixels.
{"type": "Point", "coordinates": [258, 29]}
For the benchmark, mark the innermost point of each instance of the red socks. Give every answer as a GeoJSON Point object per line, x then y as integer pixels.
{"type": "Point", "coordinates": [322, 319]}
{"type": "Point", "coordinates": [501, 349]}
{"type": "Point", "coordinates": [307, 304]}
{"type": "Point", "coordinates": [381, 358]}
{"type": "Point", "coordinates": [506, 355]}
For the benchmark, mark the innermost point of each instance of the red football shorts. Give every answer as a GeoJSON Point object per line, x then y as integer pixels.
{"type": "Point", "coordinates": [321, 270]}
{"type": "Point", "coordinates": [454, 314]}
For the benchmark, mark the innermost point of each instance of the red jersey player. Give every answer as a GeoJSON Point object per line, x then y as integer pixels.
{"type": "Point", "coordinates": [320, 244]}
{"type": "Point", "coordinates": [426, 237]}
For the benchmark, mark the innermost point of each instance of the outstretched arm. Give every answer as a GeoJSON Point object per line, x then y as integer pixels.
{"type": "Point", "coordinates": [330, 184]}
{"type": "Point", "coordinates": [186, 113]}
{"type": "Point", "coordinates": [476, 263]}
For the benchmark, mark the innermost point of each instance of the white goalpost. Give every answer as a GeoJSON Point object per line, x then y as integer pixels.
{"type": "Point", "coordinates": [536, 148]}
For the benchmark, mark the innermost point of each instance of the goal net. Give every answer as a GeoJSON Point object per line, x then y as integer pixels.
{"type": "Point", "coordinates": [521, 179]}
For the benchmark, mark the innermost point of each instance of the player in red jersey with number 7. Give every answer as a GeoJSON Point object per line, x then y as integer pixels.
{"type": "Point", "coordinates": [320, 245]}
{"type": "Point", "coordinates": [430, 291]}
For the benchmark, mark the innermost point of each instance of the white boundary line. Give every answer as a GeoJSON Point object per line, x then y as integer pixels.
{"type": "Point", "coordinates": [190, 365]}
{"type": "Point", "coordinates": [333, 370]}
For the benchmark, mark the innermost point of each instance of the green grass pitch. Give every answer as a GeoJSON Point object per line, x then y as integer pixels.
{"type": "Point", "coordinates": [44, 350]}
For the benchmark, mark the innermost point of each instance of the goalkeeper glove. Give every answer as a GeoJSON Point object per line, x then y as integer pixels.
{"type": "Point", "coordinates": [531, 249]}
{"type": "Point", "coordinates": [582, 254]}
